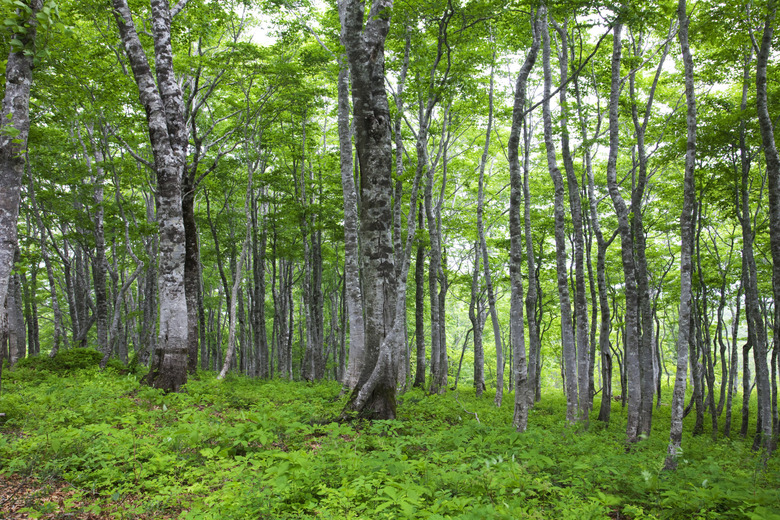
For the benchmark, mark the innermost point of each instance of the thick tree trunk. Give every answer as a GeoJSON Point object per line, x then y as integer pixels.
{"type": "Point", "coordinates": [686, 245]}
{"type": "Point", "coordinates": [15, 127]}
{"type": "Point", "coordinates": [168, 135]}
{"type": "Point", "coordinates": [374, 394]}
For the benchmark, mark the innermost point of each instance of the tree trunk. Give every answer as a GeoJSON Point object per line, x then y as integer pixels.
{"type": "Point", "coordinates": [15, 315]}
{"type": "Point", "coordinates": [15, 128]}
{"type": "Point", "coordinates": [773, 174]}
{"type": "Point", "coordinates": [354, 296]}
{"type": "Point", "coordinates": [532, 301]}
{"type": "Point", "coordinates": [567, 330]}
{"type": "Point", "coordinates": [365, 49]}
{"type": "Point", "coordinates": [486, 257]}
{"type": "Point", "coordinates": [237, 276]}
{"type": "Point", "coordinates": [477, 325]}
{"type": "Point", "coordinates": [582, 352]}
{"type": "Point", "coordinates": [168, 135]}
{"type": "Point", "coordinates": [419, 307]}
{"type": "Point", "coordinates": [631, 334]}
{"type": "Point", "coordinates": [523, 391]}
{"type": "Point", "coordinates": [686, 246]}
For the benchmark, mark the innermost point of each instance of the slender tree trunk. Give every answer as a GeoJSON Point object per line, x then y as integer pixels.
{"type": "Point", "coordinates": [419, 307]}
{"type": "Point", "coordinates": [354, 297]}
{"type": "Point", "coordinates": [582, 353]}
{"type": "Point", "coordinates": [475, 316]}
{"type": "Point", "coordinates": [644, 304]}
{"type": "Point", "coordinates": [238, 275]}
{"type": "Point", "coordinates": [523, 390]}
{"type": "Point", "coordinates": [17, 347]}
{"type": "Point", "coordinates": [734, 359]}
{"type": "Point", "coordinates": [532, 302]}
{"type": "Point", "coordinates": [773, 174]}
{"type": "Point", "coordinates": [567, 329]}
{"type": "Point", "coordinates": [631, 334]}
{"type": "Point", "coordinates": [686, 238]}
{"type": "Point", "coordinates": [99, 262]}
{"type": "Point", "coordinates": [486, 257]}
{"type": "Point", "coordinates": [59, 334]}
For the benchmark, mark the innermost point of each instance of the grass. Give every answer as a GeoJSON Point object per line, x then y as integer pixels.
{"type": "Point", "coordinates": [102, 446]}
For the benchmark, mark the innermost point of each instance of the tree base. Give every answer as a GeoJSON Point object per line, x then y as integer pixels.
{"type": "Point", "coordinates": [380, 405]}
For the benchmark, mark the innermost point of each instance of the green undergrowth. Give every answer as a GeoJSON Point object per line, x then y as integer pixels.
{"type": "Point", "coordinates": [252, 449]}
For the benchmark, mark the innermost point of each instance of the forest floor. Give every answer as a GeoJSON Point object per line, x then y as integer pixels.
{"type": "Point", "coordinates": [84, 444]}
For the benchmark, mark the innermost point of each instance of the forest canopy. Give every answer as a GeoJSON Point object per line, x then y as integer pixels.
{"type": "Point", "coordinates": [579, 199]}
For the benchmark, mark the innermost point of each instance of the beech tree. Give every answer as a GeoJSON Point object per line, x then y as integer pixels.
{"type": "Point", "coordinates": [164, 105]}
{"type": "Point", "coordinates": [363, 37]}
{"type": "Point", "coordinates": [14, 129]}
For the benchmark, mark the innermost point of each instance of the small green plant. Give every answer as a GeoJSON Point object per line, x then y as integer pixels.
{"type": "Point", "coordinates": [264, 449]}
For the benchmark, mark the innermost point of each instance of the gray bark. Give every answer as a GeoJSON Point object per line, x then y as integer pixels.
{"type": "Point", "coordinates": [631, 335]}
{"type": "Point", "coordinates": [644, 303]}
{"type": "Point", "coordinates": [532, 297]}
{"type": "Point", "coordinates": [237, 276]}
{"type": "Point", "coordinates": [364, 39]}
{"type": "Point", "coordinates": [485, 255]}
{"type": "Point", "coordinates": [567, 328]}
{"type": "Point", "coordinates": [168, 136]}
{"type": "Point", "coordinates": [419, 307]}
{"type": "Point", "coordinates": [477, 324]}
{"type": "Point", "coordinates": [686, 237]}
{"type": "Point", "coordinates": [15, 316]}
{"type": "Point", "coordinates": [14, 129]}
{"type": "Point", "coordinates": [523, 392]}
{"type": "Point", "coordinates": [353, 292]}
{"type": "Point", "coordinates": [773, 174]}
{"type": "Point", "coordinates": [575, 205]}
{"type": "Point", "coordinates": [59, 333]}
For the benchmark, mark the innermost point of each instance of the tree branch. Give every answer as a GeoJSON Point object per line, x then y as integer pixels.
{"type": "Point", "coordinates": [179, 7]}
